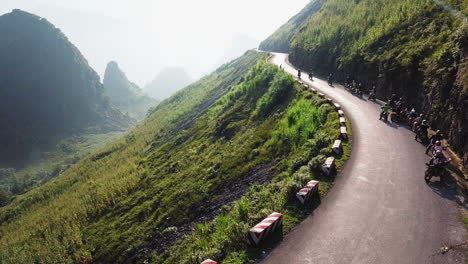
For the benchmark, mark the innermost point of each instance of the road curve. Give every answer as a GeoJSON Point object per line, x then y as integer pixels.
{"type": "Point", "coordinates": [380, 209]}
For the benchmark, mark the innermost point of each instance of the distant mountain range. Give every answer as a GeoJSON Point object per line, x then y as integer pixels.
{"type": "Point", "coordinates": [125, 95]}
{"type": "Point", "coordinates": [168, 82]}
{"type": "Point", "coordinates": [47, 89]}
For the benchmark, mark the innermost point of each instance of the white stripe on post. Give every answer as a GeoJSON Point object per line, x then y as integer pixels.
{"type": "Point", "coordinates": [342, 121]}
{"type": "Point", "coordinates": [337, 106]}
{"type": "Point", "coordinates": [305, 193]}
{"type": "Point", "coordinates": [328, 166]}
{"type": "Point", "coordinates": [340, 113]}
{"type": "Point", "coordinates": [266, 227]}
{"type": "Point", "coordinates": [344, 132]}
{"type": "Point", "coordinates": [337, 147]}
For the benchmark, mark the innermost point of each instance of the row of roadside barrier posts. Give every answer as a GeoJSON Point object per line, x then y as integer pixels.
{"type": "Point", "coordinates": [274, 222]}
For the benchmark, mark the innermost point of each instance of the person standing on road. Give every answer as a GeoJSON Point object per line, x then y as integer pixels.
{"type": "Point", "coordinates": [299, 74]}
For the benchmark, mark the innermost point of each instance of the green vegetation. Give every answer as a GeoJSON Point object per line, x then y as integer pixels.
{"type": "Point", "coordinates": [49, 164]}
{"type": "Point", "coordinates": [216, 157]}
{"type": "Point", "coordinates": [280, 40]}
{"type": "Point", "coordinates": [413, 48]}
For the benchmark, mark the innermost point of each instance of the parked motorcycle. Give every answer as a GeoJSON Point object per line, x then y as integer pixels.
{"type": "Point", "coordinates": [436, 167]}
{"type": "Point", "coordinates": [384, 116]}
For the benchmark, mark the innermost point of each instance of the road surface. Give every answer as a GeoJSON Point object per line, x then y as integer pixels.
{"type": "Point", "coordinates": [380, 210]}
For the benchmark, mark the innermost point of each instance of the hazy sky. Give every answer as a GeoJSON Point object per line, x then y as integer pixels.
{"type": "Point", "coordinates": [144, 36]}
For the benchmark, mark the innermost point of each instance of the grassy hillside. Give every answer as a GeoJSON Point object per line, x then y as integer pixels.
{"type": "Point", "coordinates": [414, 48]}
{"type": "Point", "coordinates": [243, 133]}
{"type": "Point", "coordinates": [50, 163]}
{"type": "Point", "coordinates": [280, 40]}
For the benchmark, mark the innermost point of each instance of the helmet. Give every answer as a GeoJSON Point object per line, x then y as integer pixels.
{"type": "Point", "coordinates": [439, 153]}
{"type": "Point", "coordinates": [424, 122]}
{"type": "Point", "coordinates": [438, 132]}
{"type": "Point", "coordinates": [413, 111]}
{"type": "Point", "coordinates": [438, 143]}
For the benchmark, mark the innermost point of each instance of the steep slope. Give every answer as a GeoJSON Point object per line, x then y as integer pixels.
{"type": "Point", "coordinates": [167, 82]}
{"type": "Point", "coordinates": [139, 198]}
{"type": "Point", "coordinates": [416, 49]}
{"type": "Point", "coordinates": [280, 40]}
{"type": "Point", "coordinates": [125, 95]}
{"type": "Point", "coordinates": [47, 89]}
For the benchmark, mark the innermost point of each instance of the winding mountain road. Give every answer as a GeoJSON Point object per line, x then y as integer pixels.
{"type": "Point", "coordinates": [380, 210]}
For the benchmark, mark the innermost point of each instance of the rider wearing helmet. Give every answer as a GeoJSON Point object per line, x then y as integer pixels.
{"type": "Point", "coordinates": [435, 139]}
{"type": "Point", "coordinates": [417, 122]}
{"type": "Point", "coordinates": [422, 129]}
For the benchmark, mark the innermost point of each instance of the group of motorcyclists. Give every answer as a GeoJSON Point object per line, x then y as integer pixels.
{"type": "Point", "coordinates": [416, 122]}
{"type": "Point", "coordinates": [397, 111]}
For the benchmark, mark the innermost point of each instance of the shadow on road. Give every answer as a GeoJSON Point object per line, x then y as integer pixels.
{"type": "Point", "coordinates": [447, 187]}
{"type": "Point", "coordinates": [392, 125]}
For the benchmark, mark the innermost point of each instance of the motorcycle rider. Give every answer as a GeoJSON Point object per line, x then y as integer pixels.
{"type": "Point", "coordinates": [417, 122]}
{"type": "Point", "coordinates": [438, 158]}
{"type": "Point", "coordinates": [384, 111]}
{"type": "Point", "coordinates": [392, 100]}
{"type": "Point", "coordinates": [348, 79]}
{"type": "Point", "coordinates": [422, 131]}
{"type": "Point", "coordinates": [299, 74]}
{"type": "Point", "coordinates": [311, 76]}
{"type": "Point", "coordinates": [434, 140]}
{"type": "Point", "coordinates": [330, 79]}
{"type": "Point", "coordinates": [372, 93]}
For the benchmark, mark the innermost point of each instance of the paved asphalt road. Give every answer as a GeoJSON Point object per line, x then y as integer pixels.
{"type": "Point", "coordinates": [380, 210]}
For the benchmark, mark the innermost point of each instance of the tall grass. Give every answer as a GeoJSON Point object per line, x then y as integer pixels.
{"type": "Point", "coordinates": [301, 122]}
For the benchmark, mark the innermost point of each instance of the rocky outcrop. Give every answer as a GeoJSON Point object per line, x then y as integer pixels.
{"type": "Point", "coordinates": [125, 95]}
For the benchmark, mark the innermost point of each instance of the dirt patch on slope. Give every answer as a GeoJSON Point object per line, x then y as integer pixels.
{"type": "Point", "coordinates": [230, 192]}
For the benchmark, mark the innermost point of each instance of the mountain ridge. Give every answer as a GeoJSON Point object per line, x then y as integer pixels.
{"type": "Point", "coordinates": [167, 82]}
{"type": "Point", "coordinates": [47, 88]}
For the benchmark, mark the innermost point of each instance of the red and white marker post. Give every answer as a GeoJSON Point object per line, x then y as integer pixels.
{"type": "Point", "coordinates": [269, 225]}
{"type": "Point", "coordinates": [307, 192]}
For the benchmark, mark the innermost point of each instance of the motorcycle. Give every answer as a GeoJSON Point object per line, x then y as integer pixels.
{"type": "Point", "coordinates": [372, 97]}
{"type": "Point", "coordinates": [330, 83]}
{"type": "Point", "coordinates": [384, 115]}
{"type": "Point", "coordinates": [435, 168]}
{"type": "Point", "coordinates": [395, 116]}
{"type": "Point", "coordinates": [422, 135]}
